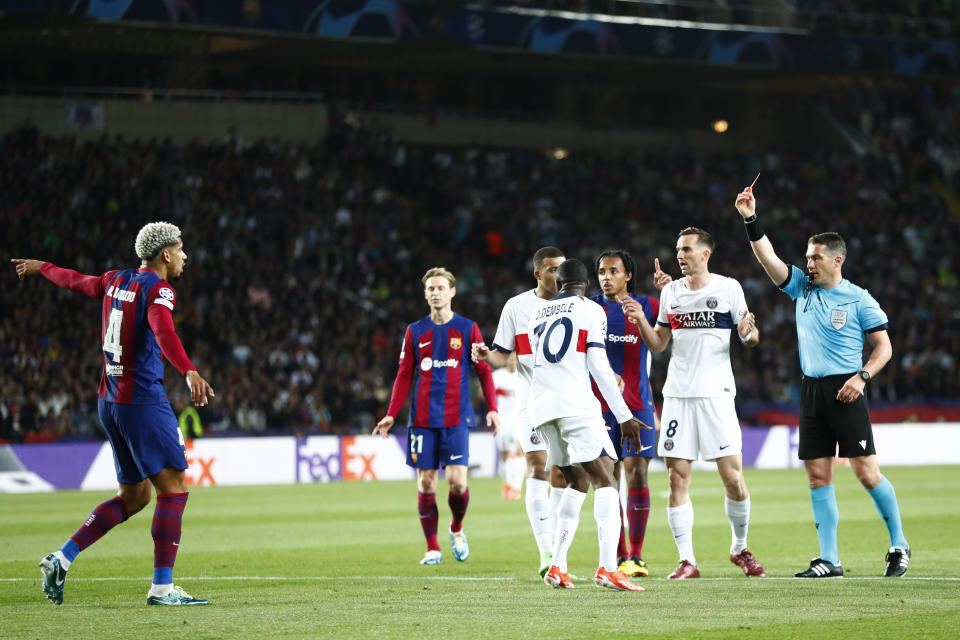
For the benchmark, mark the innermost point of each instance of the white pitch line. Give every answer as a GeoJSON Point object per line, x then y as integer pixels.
{"type": "Point", "coordinates": [474, 579]}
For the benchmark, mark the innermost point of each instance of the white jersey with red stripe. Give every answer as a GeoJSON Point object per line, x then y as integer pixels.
{"type": "Point", "coordinates": [512, 330]}
{"type": "Point", "coordinates": [701, 322]}
{"type": "Point", "coordinates": [567, 346]}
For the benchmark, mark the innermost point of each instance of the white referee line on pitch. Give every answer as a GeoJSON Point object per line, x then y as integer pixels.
{"type": "Point", "coordinates": [471, 579]}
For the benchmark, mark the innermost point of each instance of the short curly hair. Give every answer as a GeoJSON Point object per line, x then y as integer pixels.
{"type": "Point", "coordinates": [154, 237]}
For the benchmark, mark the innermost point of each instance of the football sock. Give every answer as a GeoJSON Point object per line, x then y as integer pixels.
{"type": "Point", "coordinates": [826, 516]}
{"type": "Point", "coordinates": [885, 498]}
{"type": "Point", "coordinates": [63, 559]}
{"type": "Point", "coordinates": [516, 467]}
{"type": "Point", "coordinates": [622, 540]}
{"type": "Point", "coordinates": [556, 495]}
{"type": "Point", "coordinates": [738, 513]}
{"type": "Point", "coordinates": [429, 516]}
{"type": "Point", "coordinates": [606, 511]}
{"type": "Point", "coordinates": [680, 520]}
{"type": "Point", "coordinates": [458, 506]}
{"type": "Point", "coordinates": [638, 512]}
{"type": "Point", "coordinates": [167, 518]}
{"type": "Point", "coordinates": [538, 512]}
{"type": "Point", "coordinates": [104, 517]}
{"type": "Point", "coordinates": [568, 519]}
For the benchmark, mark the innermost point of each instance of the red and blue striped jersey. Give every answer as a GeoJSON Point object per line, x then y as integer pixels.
{"type": "Point", "coordinates": [438, 355]}
{"type": "Point", "coordinates": [136, 329]}
{"type": "Point", "coordinates": [132, 367]}
{"type": "Point", "coordinates": [627, 352]}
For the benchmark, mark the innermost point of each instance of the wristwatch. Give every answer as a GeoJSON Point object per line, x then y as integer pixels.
{"type": "Point", "coordinates": [865, 375]}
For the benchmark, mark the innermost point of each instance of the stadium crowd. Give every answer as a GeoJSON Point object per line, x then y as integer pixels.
{"type": "Point", "coordinates": [305, 261]}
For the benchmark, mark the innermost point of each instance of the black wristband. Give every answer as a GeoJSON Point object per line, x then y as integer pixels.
{"type": "Point", "coordinates": [752, 225]}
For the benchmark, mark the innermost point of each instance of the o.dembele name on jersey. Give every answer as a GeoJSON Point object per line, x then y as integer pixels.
{"type": "Point", "coordinates": [554, 309]}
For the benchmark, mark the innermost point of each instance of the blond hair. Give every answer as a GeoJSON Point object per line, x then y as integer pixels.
{"type": "Point", "coordinates": [440, 272]}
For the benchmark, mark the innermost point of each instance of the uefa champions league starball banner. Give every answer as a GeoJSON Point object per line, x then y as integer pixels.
{"type": "Point", "coordinates": [315, 459]}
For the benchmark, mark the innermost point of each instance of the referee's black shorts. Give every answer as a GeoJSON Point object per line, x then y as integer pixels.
{"type": "Point", "coordinates": [828, 425]}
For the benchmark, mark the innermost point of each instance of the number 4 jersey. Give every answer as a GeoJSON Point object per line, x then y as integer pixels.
{"type": "Point", "coordinates": [137, 322]}
{"type": "Point", "coordinates": [567, 337]}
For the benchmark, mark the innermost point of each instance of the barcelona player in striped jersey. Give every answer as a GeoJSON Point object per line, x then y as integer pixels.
{"type": "Point", "coordinates": [435, 358]}
{"type": "Point", "coordinates": [630, 359]}
{"type": "Point", "coordinates": [148, 447]}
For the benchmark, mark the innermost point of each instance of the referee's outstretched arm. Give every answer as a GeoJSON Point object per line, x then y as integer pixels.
{"type": "Point", "coordinates": [762, 248]}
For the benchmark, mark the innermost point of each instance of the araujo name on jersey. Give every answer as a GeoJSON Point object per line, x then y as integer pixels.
{"type": "Point", "coordinates": [554, 309]}
{"type": "Point", "coordinates": [121, 295]}
{"type": "Point", "coordinates": [627, 339]}
{"type": "Point", "coordinates": [429, 363]}
{"type": "Point", "coordinates": [694, 320]}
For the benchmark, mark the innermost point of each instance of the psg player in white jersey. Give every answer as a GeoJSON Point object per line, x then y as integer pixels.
{"type": "Point", "coordinates": [545, 485]}
{"type": "Point", "coordinates": [699, 418]}
{"type": "Point", "coordinates": [567, 347]}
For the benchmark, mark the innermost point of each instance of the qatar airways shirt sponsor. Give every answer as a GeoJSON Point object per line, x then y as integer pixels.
{"type": "Point", "coordinates": [701, 322]}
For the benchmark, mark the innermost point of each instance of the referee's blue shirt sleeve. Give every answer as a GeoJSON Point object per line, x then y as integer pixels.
{"type": "Point", "coordinates": [871, 315]}
{"type": "Point", "coordinates": [795, 284]}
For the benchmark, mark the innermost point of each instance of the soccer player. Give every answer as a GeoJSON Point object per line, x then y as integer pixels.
{"type": "Point", "coordinates": [541, 501]}
{"type": "Point", "coordinates": [698, 311]}
{"type": "Point", "coordinates": [435, 350]}
{"type": "Point", "coordinates": [512, 394]}
{"type": "Point", "coordinates": [630, 360]}
{"type": "Point", "coordinates": [566, 348]}
{"type": "Point", "coordinates": [148, 447]}
{"type": "Point", "coordinates": [833, 315]}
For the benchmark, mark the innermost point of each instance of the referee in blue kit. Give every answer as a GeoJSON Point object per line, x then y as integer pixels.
{"type": "Point", "coordinates": [833, 315]}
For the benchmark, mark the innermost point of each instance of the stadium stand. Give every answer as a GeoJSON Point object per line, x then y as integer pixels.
{"type": "Point", "coordinates": [304, 260]}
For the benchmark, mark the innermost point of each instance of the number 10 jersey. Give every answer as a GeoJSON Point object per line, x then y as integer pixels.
{"type": "Point", "coordinates": [567, 346]}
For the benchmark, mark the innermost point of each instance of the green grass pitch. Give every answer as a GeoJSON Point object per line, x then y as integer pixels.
{"type": "Point", "coordinates": [340, 561]}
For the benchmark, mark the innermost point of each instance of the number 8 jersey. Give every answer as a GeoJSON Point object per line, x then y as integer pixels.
{"type": "Point", "coordinates": [567, 337]}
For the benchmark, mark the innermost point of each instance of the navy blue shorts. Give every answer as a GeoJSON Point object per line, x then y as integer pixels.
{"type": "Point", "coordinates": [434, 448]}
{"type": "Point", "coordinates": [145, 438]}
{"type": "Point", "coordinates": [648, 438]}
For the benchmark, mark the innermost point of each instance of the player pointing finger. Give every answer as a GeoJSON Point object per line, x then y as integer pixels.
{"type": "Point", "coordinates": [660, 277]}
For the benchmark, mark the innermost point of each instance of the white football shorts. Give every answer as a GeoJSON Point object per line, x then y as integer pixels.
{"type": "Point", "coordinates": [692, 428]}
{"type": "Point", "coordinates": [575, 440]}
{"type": "Point", "coordinates": [530, 441]}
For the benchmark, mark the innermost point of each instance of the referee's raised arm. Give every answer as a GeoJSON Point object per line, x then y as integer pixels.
{"type": "Point", "coordinates": [762, 248]}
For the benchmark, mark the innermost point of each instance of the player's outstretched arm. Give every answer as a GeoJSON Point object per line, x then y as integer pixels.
{"type": "Point", "coordinates": [200, 389]}
{"type": "Point", "coordinates": [656, 338]}
{"type": "Point", "coordinates": [66, 278]}
{"type": "Point", "coordinates": [26, 267]}
{"type": "Point", "coordinates": [762, 247]}
{"type": "Point", "coordinates": [480, 352]}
